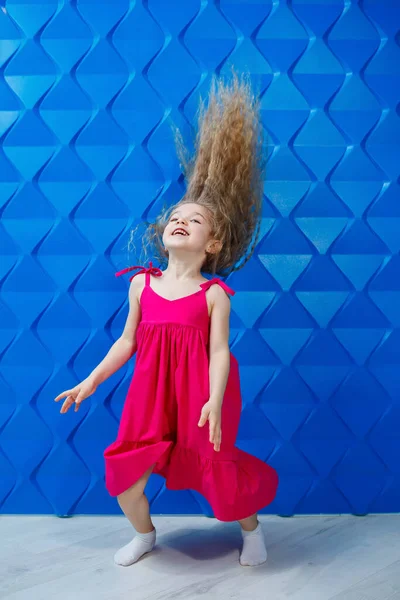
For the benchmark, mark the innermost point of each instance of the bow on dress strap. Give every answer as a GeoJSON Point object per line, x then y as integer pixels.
{"type": "Point", "coordinates": [150, 269]}
{"type": "Point", "coordinates": [227, 289]}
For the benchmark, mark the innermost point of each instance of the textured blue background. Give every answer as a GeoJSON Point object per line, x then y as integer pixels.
{"type": "Point", "coordinates": [88, 93]}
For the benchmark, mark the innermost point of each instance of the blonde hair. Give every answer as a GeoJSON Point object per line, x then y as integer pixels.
{"type": "Point", "coordinates": [224, 174]}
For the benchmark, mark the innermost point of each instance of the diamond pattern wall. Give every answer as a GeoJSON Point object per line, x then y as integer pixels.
{"type": "Point", "coordinates": [88, 93]}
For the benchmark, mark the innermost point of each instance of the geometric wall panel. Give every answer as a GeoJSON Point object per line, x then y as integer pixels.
{"type": "Point", "coordinates": [88, 92]}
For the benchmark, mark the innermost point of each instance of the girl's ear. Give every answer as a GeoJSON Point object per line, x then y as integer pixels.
{"type": "Point", "coordinates": [214, 247]}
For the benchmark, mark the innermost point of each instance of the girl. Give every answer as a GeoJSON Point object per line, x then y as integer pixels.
{"type": "Point", "coordinates": [181, 415]}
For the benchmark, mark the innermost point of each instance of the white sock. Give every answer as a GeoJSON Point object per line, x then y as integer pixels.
{"type": "Point", "coordinates": [254, 551]}
{"type": "Point", "coordinates": [141, 544]}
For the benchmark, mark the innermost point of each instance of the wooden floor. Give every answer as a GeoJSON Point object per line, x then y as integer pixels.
{"type": "Point", "coordinates": [309, 558]}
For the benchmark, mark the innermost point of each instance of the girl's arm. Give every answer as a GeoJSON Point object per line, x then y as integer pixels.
{"type": "Point", "coordinates": [219, 352]}
{"type": "Point", "coordinates": [125, 346]}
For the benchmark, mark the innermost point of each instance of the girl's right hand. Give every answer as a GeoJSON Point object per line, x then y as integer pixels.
{"type": "Point", "coordinates": [75, 395]}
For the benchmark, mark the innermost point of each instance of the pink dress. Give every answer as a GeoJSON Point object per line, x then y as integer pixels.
{"type": "Point", "coordinates": [159, 422]}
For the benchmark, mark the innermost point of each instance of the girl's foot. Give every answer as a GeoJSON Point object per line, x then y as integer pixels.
{"type": "Point", "coordinates": [141, 544]}
{"type": "Point", "coordinates": [254, 551]}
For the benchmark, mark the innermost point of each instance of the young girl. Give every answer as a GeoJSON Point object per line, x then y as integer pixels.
{"type": "Point", "coordinates": [181, 415]}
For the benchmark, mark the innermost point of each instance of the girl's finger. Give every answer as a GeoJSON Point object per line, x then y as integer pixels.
{"type": "Point", "coordinates": [78, 400]}
{"type": "Point", "coordinates": [203, 418]}
{"type": "Point", "coordinates": [66, 393]}
{"type": "Point", "coordinates": [67, 404]}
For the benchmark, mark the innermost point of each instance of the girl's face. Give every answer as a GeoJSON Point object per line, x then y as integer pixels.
{"type": "Point", "coordinates": [193, 219]}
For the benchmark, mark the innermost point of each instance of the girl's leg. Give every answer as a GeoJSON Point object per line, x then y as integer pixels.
{"type": "Point", "coordinates": [254, 551]}
{"type": "Point", "coordinates": [250, 523]}
{"type": "Point", "coordinates": [135, 506]}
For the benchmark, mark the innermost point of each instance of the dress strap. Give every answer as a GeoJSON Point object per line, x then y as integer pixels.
{"type": "Point", "coordinates": [210, 282]}
{"type": "Point", "coordinates": [150, 270]}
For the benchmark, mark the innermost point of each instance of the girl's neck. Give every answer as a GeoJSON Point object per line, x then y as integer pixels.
{"type": "Point", "coordinates": [182, 271]}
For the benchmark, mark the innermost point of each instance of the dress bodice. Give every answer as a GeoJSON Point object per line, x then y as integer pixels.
{"type": "Point", "coordinates": [190, 310]}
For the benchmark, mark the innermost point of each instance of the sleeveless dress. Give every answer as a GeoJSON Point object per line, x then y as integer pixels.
{"type": "Point", "coordinates": [159, 421]}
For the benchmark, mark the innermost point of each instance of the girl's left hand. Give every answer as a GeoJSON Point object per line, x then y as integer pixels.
{"type": "Point", "coordinates": [212, 413]}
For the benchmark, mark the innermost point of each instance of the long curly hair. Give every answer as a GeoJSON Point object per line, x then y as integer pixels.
{"type": "Point", "coordinates": [225, 175]}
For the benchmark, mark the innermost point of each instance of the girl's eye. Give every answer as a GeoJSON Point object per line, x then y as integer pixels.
{"type": "Point", "coordinates": [175, 219]}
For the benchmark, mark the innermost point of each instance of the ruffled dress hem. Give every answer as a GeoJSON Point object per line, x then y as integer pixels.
{"type": "Point", "coordinates": [236, 484]}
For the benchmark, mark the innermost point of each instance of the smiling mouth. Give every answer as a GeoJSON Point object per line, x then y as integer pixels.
{"type": "Point", "coordinates": [180, 232]}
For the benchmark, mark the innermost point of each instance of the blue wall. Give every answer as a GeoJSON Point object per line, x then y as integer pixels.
{"type": "Point", "coordinates": [88, 94]}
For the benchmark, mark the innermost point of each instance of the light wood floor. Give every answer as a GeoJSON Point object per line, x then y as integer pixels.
{"type": "Point", "coordinates": [309, 558]}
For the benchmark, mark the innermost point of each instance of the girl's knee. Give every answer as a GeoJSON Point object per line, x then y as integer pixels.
{"type": "Point", "coordinates": [135, 491]}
